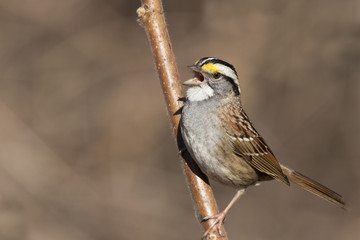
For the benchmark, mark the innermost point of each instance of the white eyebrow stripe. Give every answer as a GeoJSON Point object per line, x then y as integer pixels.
{"type": "Point", "coordinates": [227, 72]}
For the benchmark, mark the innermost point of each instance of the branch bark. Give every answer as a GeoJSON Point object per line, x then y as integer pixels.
{"type": "Point", "coordinates": [151, 15]}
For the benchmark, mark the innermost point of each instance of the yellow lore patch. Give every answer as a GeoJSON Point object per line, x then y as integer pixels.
{"type": "Point", "coordinates": [210, 67]}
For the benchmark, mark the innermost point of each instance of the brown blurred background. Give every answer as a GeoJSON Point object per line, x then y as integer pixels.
{"type": "Point", "coordinates": [86, 148]}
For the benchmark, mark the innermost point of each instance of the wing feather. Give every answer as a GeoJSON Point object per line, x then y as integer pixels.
{"type": "Point", "coordinates": [249, 145]}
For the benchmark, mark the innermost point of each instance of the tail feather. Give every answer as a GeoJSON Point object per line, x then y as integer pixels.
{"type": "Point", "coordinates": [314, 187]}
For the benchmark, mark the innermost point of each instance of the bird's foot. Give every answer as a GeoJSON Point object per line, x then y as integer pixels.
{"type": "Point", "coordinates": [219, 220]}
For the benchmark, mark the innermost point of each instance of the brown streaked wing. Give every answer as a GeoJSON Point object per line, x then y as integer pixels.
{"type": "Point", "coordinates": [249, 145]}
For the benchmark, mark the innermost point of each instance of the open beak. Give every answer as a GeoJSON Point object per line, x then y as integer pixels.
{"type": "Point", "coordinates": [192, 82]}
{"type": "Point", "coordinates": [197, 80]}
{"type": "Point", "coordinates": [194, 68]}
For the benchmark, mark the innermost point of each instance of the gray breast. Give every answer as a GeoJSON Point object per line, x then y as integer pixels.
{"type": "Point", "coordinates": [205, 141]}
{"type": "Point", "coordinates": [202, 135]}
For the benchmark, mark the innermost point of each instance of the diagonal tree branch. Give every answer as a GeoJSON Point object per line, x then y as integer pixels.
{"type": "Point", "coordinates": [151, 15]}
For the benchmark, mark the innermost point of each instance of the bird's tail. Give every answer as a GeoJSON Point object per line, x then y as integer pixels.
{"type": "Point", "coordinates": [314, 187]}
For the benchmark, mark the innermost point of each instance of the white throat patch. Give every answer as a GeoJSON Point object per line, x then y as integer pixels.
{"type": "Point", "coordinates": [199, 93]}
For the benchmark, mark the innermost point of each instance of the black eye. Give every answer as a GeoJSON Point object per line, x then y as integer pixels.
{"type": "Point", "coordinates": [216, 75]}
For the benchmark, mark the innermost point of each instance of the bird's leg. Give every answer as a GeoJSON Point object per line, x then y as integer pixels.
{"type": "Point", "coordinates": [220, 217]}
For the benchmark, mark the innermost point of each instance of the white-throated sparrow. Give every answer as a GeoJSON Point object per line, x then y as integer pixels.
{"type": "Point", "coordinates": [220, 137]}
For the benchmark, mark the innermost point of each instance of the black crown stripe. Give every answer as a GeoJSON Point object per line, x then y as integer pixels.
{"type": "Point", "coordinates": [213, 60]}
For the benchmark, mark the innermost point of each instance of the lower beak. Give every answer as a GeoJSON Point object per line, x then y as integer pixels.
{"type": "Point", "coordinates": [192, 82]}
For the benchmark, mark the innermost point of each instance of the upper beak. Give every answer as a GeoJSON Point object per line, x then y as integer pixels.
{"type": "Point", "coordinates": [195, 68]}
{"type": "Point", "coordinates": [193, 81]}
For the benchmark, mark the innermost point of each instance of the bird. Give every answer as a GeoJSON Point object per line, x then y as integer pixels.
{"type": "Point", "coordinates": [224, 143]}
